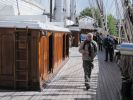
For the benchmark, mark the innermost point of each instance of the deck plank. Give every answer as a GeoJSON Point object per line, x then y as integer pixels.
{"type": "Point", "coordinates": [111, 74]}
{"type": "Point", "coordinates": [68, 84]}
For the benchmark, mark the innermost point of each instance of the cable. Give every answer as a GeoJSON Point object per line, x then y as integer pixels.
{"type": "Point", "coordinates": [18, 7]}
{"type": "Point", "coordinates": [121, 18]}
{"type": "Point", "coordinates": [98, 5]}
{"type": "Point", "coordinates": [3, 7]}
{"type": "Point", "coordinates": [20, 4]}
{"type": "Point", "coordinates": [36, 5]}
{"type": "Point", "coordinates": [91, 7]}
{"type": "Point", "coordinates": [120, 12]}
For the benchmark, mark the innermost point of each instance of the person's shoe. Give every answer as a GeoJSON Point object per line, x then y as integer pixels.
{"type": "Point", "coordinates": [88, 87]}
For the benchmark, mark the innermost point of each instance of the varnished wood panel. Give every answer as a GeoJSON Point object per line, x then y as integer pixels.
{"type": "Point", "coordinates": [76, 39]}
{"type": "Point", "coordinates": [38, 56]}
{"type": "Point", "coordinates": [46, 58]}
{"type": "Point", "coordinates": [0, 52]}
{"type": "Point", "coordinates": [34, 70]}
{"type": "Point", "coordinates": [58, 49]}
{"type": "Point", "coordinates": [55, 50]}
{"type": "Point", "coordinates": [43, 57]}
{"type": "Point", "coordinates": [6, 58]}
{"type": "Point", "coordinates": [7, 54]}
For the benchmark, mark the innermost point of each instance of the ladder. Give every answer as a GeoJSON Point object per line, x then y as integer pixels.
{"type": "Point", "coordinates": [21, 60]}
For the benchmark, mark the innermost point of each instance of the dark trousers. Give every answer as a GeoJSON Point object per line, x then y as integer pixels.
{"type": "Point", "coordinates": [87, 66]}
{"type": "Point", "coordinates": [100, 46]}
{"type": "Point", "coordinates": [110, 52]}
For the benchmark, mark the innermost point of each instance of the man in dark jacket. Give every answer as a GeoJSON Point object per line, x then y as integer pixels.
{"type": "Point", "coordinates": [109, 48]}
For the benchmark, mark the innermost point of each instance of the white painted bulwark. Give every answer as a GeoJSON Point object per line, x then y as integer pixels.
{"type": "Point", "coordinates": [74, 28]}
{"type": "Point", "coordinates": [60, 24]}
{"type": "Point", "coordinates": [42, 18]}
{"type": "Point", "coordinates": [31, 25]}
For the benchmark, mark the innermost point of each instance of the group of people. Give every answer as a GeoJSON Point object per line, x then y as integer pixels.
{"type": "Point", "coordinates": [89, 48]}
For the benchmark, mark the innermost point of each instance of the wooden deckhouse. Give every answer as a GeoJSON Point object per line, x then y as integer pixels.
{"type": "Point", "coordinates": [75, 35]}
{"type": "Point", "coordinates": [29, 52]}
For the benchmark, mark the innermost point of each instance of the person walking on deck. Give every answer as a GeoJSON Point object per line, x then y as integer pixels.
{"type": "Point", "coordinates": [109, 48]}
{"type": "Point", "coordinates": [88, 48]}
{"type": "Point", "coordinates": [100, 42]}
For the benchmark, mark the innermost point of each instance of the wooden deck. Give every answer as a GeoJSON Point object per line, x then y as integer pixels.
{"type": "Point", "coordinates": [109, 80]}
{"type": "Point", "coordinates": [68, 84]}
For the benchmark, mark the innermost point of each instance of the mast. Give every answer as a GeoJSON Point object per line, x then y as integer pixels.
{"type": "Point", "coordinates": [50, 10]}
{"type": "Point", "coordinates": [18, 7]}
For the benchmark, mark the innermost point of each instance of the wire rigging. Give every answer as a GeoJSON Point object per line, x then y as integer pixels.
{"type": "Point", "coordinates": [13, 2]}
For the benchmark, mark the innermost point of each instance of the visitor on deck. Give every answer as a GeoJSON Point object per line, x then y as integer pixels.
{"type": "Point", "coordinates": [88, 48]}
{"type": "Point", "coordinates": [100, 42]}
{"type": "Point", "coordinates": [109, 48]}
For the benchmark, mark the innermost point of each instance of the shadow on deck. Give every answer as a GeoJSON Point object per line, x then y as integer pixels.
{"type": "Point", "coordinates": [68, 84]}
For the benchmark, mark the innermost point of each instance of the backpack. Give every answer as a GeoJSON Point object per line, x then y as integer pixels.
{"type": "Point", "coordinates": [108, 42]}
{"type": "Point", "coordinates": [95, 48]}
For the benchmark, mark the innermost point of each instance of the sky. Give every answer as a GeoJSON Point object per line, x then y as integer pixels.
{"type": "Point", "coordinates": [109, 5]}
{"type": "Point", "coordinates": [82, 4]}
